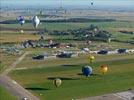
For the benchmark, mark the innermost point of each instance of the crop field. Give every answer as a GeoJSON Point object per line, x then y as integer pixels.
{"type": "Point", "coordinates": [39, 80]}
{"type": "Point", "coordinates": [16, 38]}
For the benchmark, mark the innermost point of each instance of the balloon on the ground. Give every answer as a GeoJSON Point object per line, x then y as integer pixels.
{"type": "Point", "coordinates": [21, 20]}
{"type": "Point", "coordinates": [87, 70]}
{"type": "Point", "coordinates": [57, 82]}
{"type": "Point", "coordinates": [91, 58]}
{"type": "Point", "coordinates": [21, 31]}
{"type": "Point", "coordinates": [103, 68]}
{"type": "Point", "coordinates": [35, 21]}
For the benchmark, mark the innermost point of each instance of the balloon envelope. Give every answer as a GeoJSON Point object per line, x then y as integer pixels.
{"type": "Point", "coordinates": [91, 58]}
{"type": "Point", "coordinates": [87, 70]}
{"type": "Point", "coordinates": [35, 21]}
{"type": "Point", "coordinates": [104, 69]}
{"type": "Point", "coordinates": [21, 31]}
{"type": "Point", "coordinates": [21, 20]}
{"type": "Point", "coordinates": [57, 82]}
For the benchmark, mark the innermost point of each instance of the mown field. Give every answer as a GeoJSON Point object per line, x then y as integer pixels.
{"type": "Point", "coordinates": [28, 62]}
{"type": "Point", "coordinates": [39, 80]}
{"type": "Point", "coordinates": [16, 37]}
{"type": "Point", "coordinates": [5, 95]}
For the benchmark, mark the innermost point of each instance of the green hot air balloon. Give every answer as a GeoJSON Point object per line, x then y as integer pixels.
{"type": "Point", "coordinates": [57, 82]}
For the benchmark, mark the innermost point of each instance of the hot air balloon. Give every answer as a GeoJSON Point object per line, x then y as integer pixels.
{"type": "Point", "coordinates": [35, 21]}
{"type": "Point", "coordinates": [103, 68]}
{"type": "Point", "coordinates": [21, 31]}
{"type": "Point", "coordinates": [91, 58]}
{"type": "Point", "coordinates": [57, 82]}
{"type": "Point", "coordinates": [21, 20]}
{"type": "Point", "coordinates": [87, 70]}
{"type": "Point", "coordinates": [92, 3]}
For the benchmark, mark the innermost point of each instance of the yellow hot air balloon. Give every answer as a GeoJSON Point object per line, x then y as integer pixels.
{"type": "Point", "coordinates": [57, 82]}
{"type": "Point", "coordinates": [91, 58]}
{"type": "Point", "coordinates": [104, 69]}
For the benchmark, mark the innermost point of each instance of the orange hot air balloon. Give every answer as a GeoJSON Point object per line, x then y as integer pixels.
{"type": "Point", "coordinates": [104, 69]}
{"type": "Point", "coordinates": [57, 82]}
{"type": "Point", "coordinates": [91, 58]}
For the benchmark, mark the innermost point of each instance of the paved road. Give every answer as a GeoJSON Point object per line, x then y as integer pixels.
{"type": "Point", "coordinates": [11, 85]}
{"type": "Point", "coordinates": [126, 95]}
{"type": "Point", "coordinates": [16, 89]}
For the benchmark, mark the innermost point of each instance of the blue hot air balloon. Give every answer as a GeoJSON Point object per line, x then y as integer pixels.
{"type": "Point", "coordinates": [21, 20]}
{"type": "Point", "coordinates": [87, 70]}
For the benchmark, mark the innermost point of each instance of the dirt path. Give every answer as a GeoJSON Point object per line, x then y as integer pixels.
{"type": "Point", "coordinates": [11, 85]}
{"type": "Point", "coordinates": [14, 64]}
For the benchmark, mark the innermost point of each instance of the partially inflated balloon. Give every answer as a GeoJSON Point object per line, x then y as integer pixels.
{"type": "Point", "coordinates": [57, 82]}
{"type": "Point", "coordinates": [35, 21]}
{"type": "Point", "coordinates": [21, 20]}
{"type": "Point", "coordinates": [91, 58]}
{"type": "Point", "coordinates": [87, 70]}
{"type": "Point", "coordinates": [104, 69]}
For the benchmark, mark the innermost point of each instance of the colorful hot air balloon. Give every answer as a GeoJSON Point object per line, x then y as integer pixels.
{"type": "Point", "coordinates": [91, 58]}
{"type": "Point", "coordinates": [35, 21]}
{"type": "Point", "coordinates": [104, 69]}
{"type": "Point", "coordinates": [87, 70]}
{"type": "Point", "coordinates": [21, 20]}
{"type": "Point", "coordinates": [57, 82]}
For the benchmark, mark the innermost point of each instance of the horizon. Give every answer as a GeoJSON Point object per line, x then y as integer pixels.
{"type": "Point", "coordinates": [65, 3]}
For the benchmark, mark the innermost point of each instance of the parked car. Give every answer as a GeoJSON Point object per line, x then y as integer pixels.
{"type": "Point", "coordinates": [121, 50]}
{"type": "Point", "coordinates": [38, 57]}
{"type": "Point", "coordinates": [102, 52]}
{"type": "Point", "coordinates": [64, 55]}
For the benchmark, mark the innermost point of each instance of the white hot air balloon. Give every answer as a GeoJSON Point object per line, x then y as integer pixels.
{"type": "Point", "coordinates": [35, 21]}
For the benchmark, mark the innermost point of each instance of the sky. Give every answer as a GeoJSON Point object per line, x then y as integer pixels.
{"type": "Point", "coordinates": [120, 3]}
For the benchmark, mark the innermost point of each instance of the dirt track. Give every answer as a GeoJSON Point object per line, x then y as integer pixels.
{"type": "Point", "coordinates": [12, 86]}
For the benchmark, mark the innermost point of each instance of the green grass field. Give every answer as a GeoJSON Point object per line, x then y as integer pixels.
{"type": "Point", "coordinates": [5, 95]}
{"type": "Point", "coordinates": [6, 60]}
{"type": "Point", "coordinates": [72, 25]}
{"type": "Point", "coordinates": [37, 76]}
{"type": "Point", "coordinates": [112, 27]}
{"type": "Point", "coordinates": [39, 80]}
